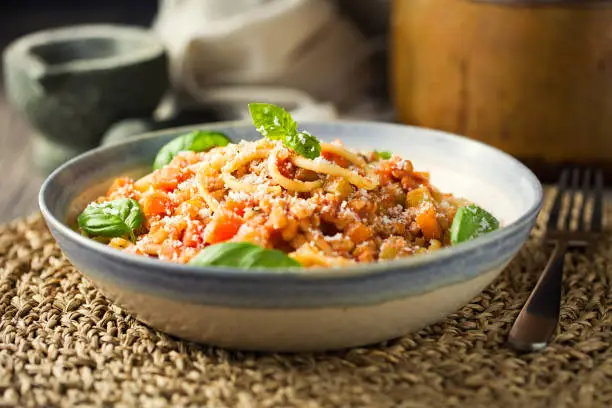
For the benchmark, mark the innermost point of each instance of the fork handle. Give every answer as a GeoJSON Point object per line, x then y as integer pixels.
{"type": "Point", "coordinates": [539, 317]}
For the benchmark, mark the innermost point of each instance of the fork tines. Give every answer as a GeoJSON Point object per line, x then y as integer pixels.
{"type": "Point", "coordinates": [581, 187]}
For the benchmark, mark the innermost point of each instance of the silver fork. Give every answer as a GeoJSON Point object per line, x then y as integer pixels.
{"type": "Point", "coordinates": [539, 317]}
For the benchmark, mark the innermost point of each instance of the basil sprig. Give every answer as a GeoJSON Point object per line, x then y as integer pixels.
{"type": "Point", "coordinates": [243, 255]}
{"type": "Point", "coordinates": [198, 141]}
{"type": "Point", "coordinates": [276, 123]}
{"type": "Point", "coordinates": [471, 222]}
{"type": "Point", "coordinates": [117, 218]}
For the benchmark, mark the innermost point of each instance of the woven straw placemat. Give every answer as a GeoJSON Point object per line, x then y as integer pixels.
{"type": "Point", "coordinates": [63, 344]}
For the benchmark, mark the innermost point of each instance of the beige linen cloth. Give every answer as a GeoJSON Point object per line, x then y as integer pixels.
{"type": "Point", "coordinates": [301, 54]}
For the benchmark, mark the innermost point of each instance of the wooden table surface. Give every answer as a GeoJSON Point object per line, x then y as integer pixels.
{"type": "Point", "coordinates": [19, 180]}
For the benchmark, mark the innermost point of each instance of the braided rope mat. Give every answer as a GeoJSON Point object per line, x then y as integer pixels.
{"type": "Point", "coordinates": [63, 344]}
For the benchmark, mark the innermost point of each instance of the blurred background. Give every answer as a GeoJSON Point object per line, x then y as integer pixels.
{"type": "Point", "coordinates": [531, 77]}
{"type": "Point", "coordinates": [21, 179]}
{"type": "Point", "coordinates": [29, 144]}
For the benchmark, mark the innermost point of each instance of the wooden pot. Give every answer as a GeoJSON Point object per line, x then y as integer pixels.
{"type": "Point", "coordinates": [534, 80]}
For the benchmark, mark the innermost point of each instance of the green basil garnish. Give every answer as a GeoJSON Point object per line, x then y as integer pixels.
{"type": "Point", "coordinates": [198, 141]}
{"type": "Point", "coordinates": [276, 123]}
{"type": "Point", "coordinates": [117, 218]}
{"type": "Point", "coordinates": [304, 144]}
{"type": "Point", "coordinates": [272, 121]}
{"type": "Point", "coordinates": [470, 222]}
{"type": "Point", "coordinates": [383, 154]}
{"type": "Point", "coordinates": [243, 255]}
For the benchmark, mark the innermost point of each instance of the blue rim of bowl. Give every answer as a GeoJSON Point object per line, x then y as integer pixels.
{"type": "Point", "coordinates": [356, 271]}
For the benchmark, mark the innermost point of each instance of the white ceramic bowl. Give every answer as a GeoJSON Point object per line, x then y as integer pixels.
{"type": "Point", "coordinates": [315, 309]}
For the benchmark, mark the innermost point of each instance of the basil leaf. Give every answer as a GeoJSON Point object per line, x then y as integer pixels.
{"type": "Point", "coordinates": [470, 222]}
{"type": "Point", "coordinates": [304, 144]}
{"type": "Point", "coordinates": [224, 254]}
{"type": "Point", "coordinates": [197, 141]}
{"type": "Point", "coordinates": [117, 218]}
{"type": "Point", "coordinates": [243, 255]}
{"type": "Point", "coordinates": [272, 121]}
{"type": "Point", "coordinates": [276, 123]}
{"type": "Point", "coordinates": [269, 258]}
{"type": "Point", "coordinates": [383, 154]}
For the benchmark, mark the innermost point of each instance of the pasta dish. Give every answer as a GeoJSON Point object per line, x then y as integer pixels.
{"type": "Point", "coordinates": [320, 204]}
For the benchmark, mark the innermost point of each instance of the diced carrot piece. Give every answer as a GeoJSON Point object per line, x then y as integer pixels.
{"type": "Point", "coordinates": [223, 227]}
{"type": "Point", "coordinates": [156, 203]}
{"type": "Point", "coordinates": [428, 223]}
{"type": "Point", "coordinates": [358, 232]}
{"type": "Point", "coordinates": [119, 183]}
{"type": "Point", "coordinates": [167, 178]}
